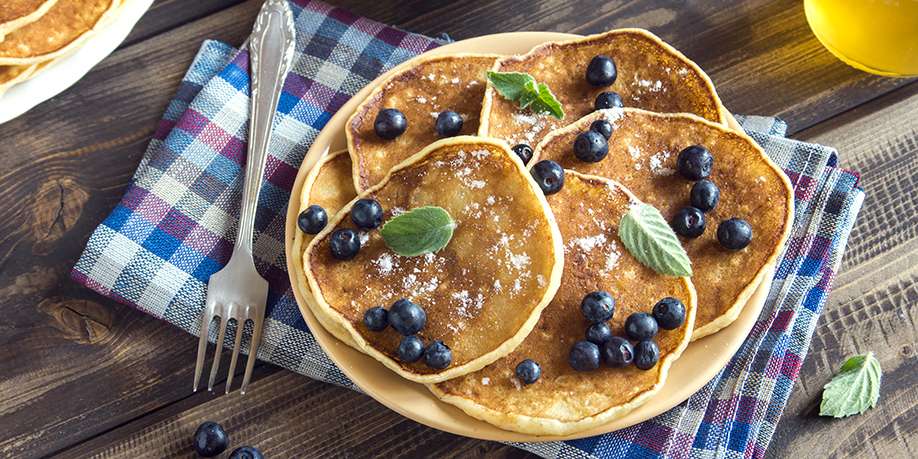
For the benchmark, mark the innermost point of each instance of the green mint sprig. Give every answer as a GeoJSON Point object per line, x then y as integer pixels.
{"type": "Point", "coordinates": [523, 89]}
{"type": "Point", "coordinates": [419, 231]}
{"type": "Point", "coordinates": [648, 237]}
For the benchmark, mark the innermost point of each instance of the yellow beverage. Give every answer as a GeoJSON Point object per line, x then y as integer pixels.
{"type": "Point", "coordinates": [877, 36]}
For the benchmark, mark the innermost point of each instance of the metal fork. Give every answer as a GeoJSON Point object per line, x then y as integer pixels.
{"type": "Point", "coordinates": [237, 292]}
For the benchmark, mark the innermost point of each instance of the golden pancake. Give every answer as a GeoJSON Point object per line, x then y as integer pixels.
{"type": "Point", "coordinates": [420, 92]}
{"type": "Point", "coordinates": [18, 13]}
{"type": "Point", "coordinates": [12, 74]}
{"type": "Point", "coordinates": [651, 75]}
{"type": "Point", "coordinates": [63, 28]}
{"type": "Point", "coordinates": [564, 401]}
{"type": "Point", "coordinates": [483, 292]}
{"type": "Point", "coordinates": [642, 157]}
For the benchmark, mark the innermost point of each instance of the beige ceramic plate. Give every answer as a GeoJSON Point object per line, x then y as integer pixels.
{"type": "Point", "coordinates": [698, 365]}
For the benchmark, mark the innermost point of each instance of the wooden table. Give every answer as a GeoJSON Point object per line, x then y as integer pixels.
{"type": "Point", "coordinates": [84, 375]}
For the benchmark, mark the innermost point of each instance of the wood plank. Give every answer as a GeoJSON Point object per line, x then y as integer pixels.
{"type": "Point", "coordinates": [165, 15]}
{"type": "Point", "coordinates": [874, 305]}
{"type": "Point", "coordinates": [794, 76]}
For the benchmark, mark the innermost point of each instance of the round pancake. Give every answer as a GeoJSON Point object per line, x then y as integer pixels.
{"type": "Point", "coordinates": [483, 292]}
{"type": "Point", "coordinates": [65, 26]}
{"type": "Point", "coordinates": [18, 13]}
{"type": "Point", "coordinates": [421, 91]}
{"type": "Point", "coordinates": [12, 74]}
{"type": "Point", "coordinates": [564, 401]}
{"type": "Point", "coordinates": [642, 157]}
{"type": "Point", "coordinates": [651, 75]}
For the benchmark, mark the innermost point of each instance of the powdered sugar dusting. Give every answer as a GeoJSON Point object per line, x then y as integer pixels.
{"type": "Point", "coordinates": [657, 161]}
{"type": "Point", "coordinates": [384, 264]}
{"type": "Point", "coordinates": [530, 126]}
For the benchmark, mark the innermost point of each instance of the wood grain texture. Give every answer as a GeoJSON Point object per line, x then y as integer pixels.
{"type": "Point", "coordinates": [86, 376]}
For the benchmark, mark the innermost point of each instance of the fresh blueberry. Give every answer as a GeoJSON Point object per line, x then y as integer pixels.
{"type": "Point", "coordinates": [618, 352]}
{"type": "Point", "coordinates": [704, 195]}
{"type": "Point", "coordinates": [601, 71]}
{"type": "Point", "coordinates": [591, 147]}
{"type": "Point", "coordinates": [344, 244]}
{"type": "Point", "coordinates": [734, 233]}
{"type": "Point", "coordinates": [695, 162]}
{"type": "Point", "coordinates": [603, 127]}
{"type": "Point", "coordinates": [390, 123]}
{"type": "Point", "coordinates": [438, 355]}
{"type": "Point", "coordinates": [599, 333]}
{"type": "Point", "coordinates": [549, 175]}
{"type": "Point", "coordinates": [597, 306]}
{"type": "Point", "coordinates": [524, 152]}
{"type": "Point", "coordinates": [367, 213]}
{"type": "Point", "coordinates": [210, 439]}
{"type": "Point", "coordinates": [609, 99]}
{"type": "Point", "coordinates": [584, 356]}
{"type": "Point", "coordinates": [449, 123]}
{"type": "Point", "coordinates": [646, 354]}
{"type": "Point", "coordinates": [528, 371]}
{"type": "Point", "coordinates": [246, 452]}
{"type": "Point", "coordinates": [410, 349]}
{"type": "Point", "coordinates": [406, 317]}
{"type": "Point", "coordinates": [669, 313]}
{"type": "Point", "coordinates": [688, 222]}
{"type": "Point", "coordinates": [640, 326]}
{"type": "Point", "coordinates": [376, 318]}
{"type": "Point", "coordinates": [312, 220]}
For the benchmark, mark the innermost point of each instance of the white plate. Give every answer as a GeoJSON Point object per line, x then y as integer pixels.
{"type": "Point", "coordinates": [64, 72]}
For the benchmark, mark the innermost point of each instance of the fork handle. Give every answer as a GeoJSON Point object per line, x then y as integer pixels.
{"type": "Point", "coordinates": [270, 56]}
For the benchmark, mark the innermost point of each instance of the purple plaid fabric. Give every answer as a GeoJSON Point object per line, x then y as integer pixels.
{"type": "Point", "coordinates": [175, 224]}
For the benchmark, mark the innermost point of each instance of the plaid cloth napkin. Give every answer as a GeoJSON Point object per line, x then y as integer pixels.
{"type": "Point", "coordinates": [175, 224]}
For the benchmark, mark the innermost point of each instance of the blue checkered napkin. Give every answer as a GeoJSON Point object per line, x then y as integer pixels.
{"type": "Point", "coordinates": [175, 224]}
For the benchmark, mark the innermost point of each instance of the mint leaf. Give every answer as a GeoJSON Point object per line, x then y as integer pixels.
{"type": "Point", "coordinates": [855, 388]}
{"type": "Point", "coordinates": [647, 236]}
{"type": "Point", "coordinates": [418, 231]}
{"type": "Point", "coordinates": [523, 89]}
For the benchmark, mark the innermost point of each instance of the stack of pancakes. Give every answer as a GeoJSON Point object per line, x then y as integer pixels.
{"type": "Point", "coordinates": [34, 33]}
{"type": "Point", "coordinates": [508, 285]}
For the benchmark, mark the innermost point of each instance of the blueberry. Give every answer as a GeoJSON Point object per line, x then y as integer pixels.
{"type": "Point", "coordinates": [410, 349]}
{"type": "Point", "coordinates": [603, 127]}
{"type": "Point", "coordinates": [210, 439]}
{"type": "Point", "coordinates": [590, 146]}
{"type": "Point", "coordinates": [449, 123]}
{"type": "Point", "coordinates": [367, 213]}
{"type": "Point", "coordinates": [688, 222]}
{"type": "Point", "coordinates": [640, 326]}
{"type": "Point", "coordinates": [704, 195]}
{"type": "Point", "coordinates": [549, 175]}
{"type": "Point", "coordinates": [601, 71]}
{"type": "Point", "coordinates": [437, 355]}
{"type": "Point", "coordinates": [646, 354]}
{"type": "Point", "coordinates": [406, 317]}
{"type": "Point", "coordinates": [606, 100]}
{"type": "Point", "coordinates": [390, 123]}
{"type": "Point", "coordinates": [528, 371]}
{"type": "Point", "coordinates": [584, 356]}
{"type": "Point", "coordinates": [312, 220]}
{"type": "Point", "coordinates": [246, 452]}
{"type": "Point", "coordinates": [669, 313]}
{"type": "Point", "coordinates": [376, 318]}
{"type": "Point", "coordinates": [618, 352]}
{"type": "Point", "coordinates": [344, 244]}
{"type": "Point", "coordinates": [599, 333]}
{"type": "Point", "coordinates": [695, 162]}
{"type": "Point", "coordinates": [597, 306]}
{"type": "Point", "coordinates": [734, 234]}
{"type": "Point", "coordinates": [524, 152]}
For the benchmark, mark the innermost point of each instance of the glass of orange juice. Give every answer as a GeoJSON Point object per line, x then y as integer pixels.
{"type": "Point", "coordinates": [877, 36]}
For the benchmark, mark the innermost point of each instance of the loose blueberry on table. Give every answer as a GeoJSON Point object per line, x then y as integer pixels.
{"type": "Point", "coordinates": [606, 100]}
{"type": "Point", "coordinates": [376, 318]}
{"type": "Point", "coordinates": [601, 71]}
{"type": "Point", "coordinates": [584, 356]}
{"type": "Point", "coordinates": [597, 306]}
{"type": "Point", "coordinates": [618, 352]}
{"type": "Point", "coordinates": [669, 313]}
{"type": "Point", "coordinates": [599, 333]}
{"type": "Point", "coordinates": [528, 371]}
{"type": "Point", "coordinates": [734, 234]}
{"type": "Point", "coordinates": [410, 349]}
{"type": "Point", "coordinates": [646, 354]}
{"type": "Point", "coordinates": [406, 317]}
{"type": "Point", "coordinates": [246, 452]}
{"type": "Point", "coordinates": [438, 355]}
{"type": "Point", "coordinates": [312, 220]}
{"type": "Point", "coordinates": [603, 127]}
{"type": "Point", "coordinates": [688, 222]}
{"type": "Point", "coordinates": [640, 326]}
{"type": "Point", "coordinates": [524, 152]}
{"type": "Point", "coordinates": [449, 123]}
{"type": "Point", "coordinates": [210, 439]}
{"type": "Point", "coordinates": [694, 162]}
{"type": "Point", "coordinates": [590, 147]}
{"type": "Point", "coordinates": [549, 175]}
{"type": "Point", "coordinates": [704, 195]}
{"type": "Point", "coordinates": [367, 213]}
{"type": "Point", "coordinates": [390, 123]}
{"type": "Point", "coordinates": [344, 244]}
